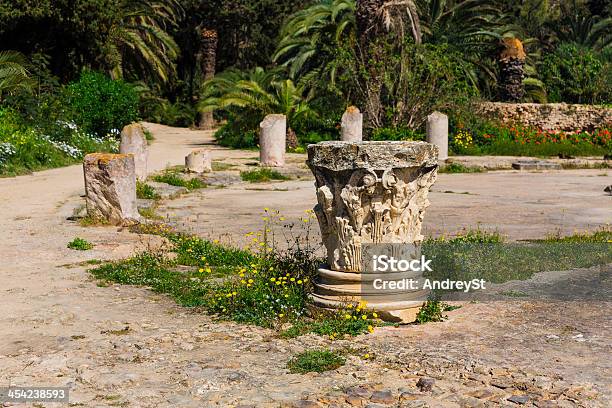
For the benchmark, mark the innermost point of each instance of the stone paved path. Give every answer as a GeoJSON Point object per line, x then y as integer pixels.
{"type": "Point", "coordinates": [124, 346]}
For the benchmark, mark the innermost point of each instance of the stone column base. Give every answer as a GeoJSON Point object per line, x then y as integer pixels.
{"type": "Point", "coordinates": [334, 290]}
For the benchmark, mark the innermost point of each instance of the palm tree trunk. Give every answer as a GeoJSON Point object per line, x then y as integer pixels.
{"type": "Point", "coordinates": [368, 30]}
{"type": "Point", "coordinates": [512, 70]}
{"type": "Point", "coordinates": [209, 60]}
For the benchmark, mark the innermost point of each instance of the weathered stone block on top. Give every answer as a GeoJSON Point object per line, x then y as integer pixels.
{"type": "Point", "coordinates": [272, 140]}
{"type": "Point", "coordinates": [110, 188]}
{"type": "Point", "coordinates": [133, 141]}
{"type": "Point", "coordinates": [338, 156]}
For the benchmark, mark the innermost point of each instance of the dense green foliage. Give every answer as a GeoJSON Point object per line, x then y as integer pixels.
{"type": "Point", "coordinates": [25, 148]}
{"type": "Point", "coordinates": [576, 74]}
{"type": "Point", "coordinates": [104, 106]}
{"type": "Point", "coordinates": [307, 59]}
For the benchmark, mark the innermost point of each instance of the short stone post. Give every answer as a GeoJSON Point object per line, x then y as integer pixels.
{"type": "Point", "coordinates": [352, 125]}
{"type": "Point", "coordinates": [133, 141]}
{"type": "Point", "coordinates": [110, 188]}
{"type": "Point", "coordinates": [437, 133]}
{"type": "Point", "coordinates": [369, 193]}
{"type": "Point", "coordinates": [272, 140]}
{"type": "Point", "coordinates": [198, 161]}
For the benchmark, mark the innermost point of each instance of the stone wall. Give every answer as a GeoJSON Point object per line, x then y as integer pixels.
{"type": "Point", "coordinates": [549, 116]}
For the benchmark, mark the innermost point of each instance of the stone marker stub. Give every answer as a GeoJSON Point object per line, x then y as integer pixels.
{"type": "Point", "coordinates": [198, 161]}
{"type": "Point", "coordinates": [133, 141]}
{"type": "Point", "coordinates": [437, 133]}
{"type": "Point", "coordinates": [352, 125]}
{"type": "Point", "coordinates": [272, 140]}
{"type": "Point", "coordinates": [528, 164]}
{"type": "Point", "coordinates": [110, 188]}
{"type": "Point", "coordinates": [368, 193]}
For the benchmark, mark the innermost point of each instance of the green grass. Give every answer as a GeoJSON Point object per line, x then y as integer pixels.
{"type": "Point", "coordinates": [80, 244]}
{"type": "Point", "coordinates": [266, 289]}
{"type": "Point", "coordinates": [316, 361]}
{"type": "Point", "coordinates": [262, 175]}
{"type": "Point", "coordinates": [221, 166]}
{"type": "Point", "coordinates": [604, 234]}
{"type": "Point", "coordinates": [145, 191]}
{"type": "Point", "coordinates": [459, 168]}
{"type": "Point", "coordinates": [477, 254]}
{"type": "Point", "coordinates": [174, 178]}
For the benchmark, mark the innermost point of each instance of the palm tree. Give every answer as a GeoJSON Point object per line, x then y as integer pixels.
{"type": "Point", "coordinates": [310, 38]}
{"type": "Point", "coordinates": [139, 39]}
{"type": "Point", "coordinates": [208, 57]}
{"type": "Point", "coordinates": [589, 31]}
{"type": "Point", "coordinates": [13, 72]}
{"type": "Point", "coordinates": [254, 94]}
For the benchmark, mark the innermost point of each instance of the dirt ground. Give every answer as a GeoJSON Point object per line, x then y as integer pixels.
{"type": "Point", "coordinates": [126, 346]}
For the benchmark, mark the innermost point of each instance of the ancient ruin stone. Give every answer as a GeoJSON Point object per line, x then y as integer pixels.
{"type": "Point", "coordinates": [528, 164]}
{"type": "Point", "coordinates": [352, 125]}
{"type": "Point", "coordinates": [110, 188]}
{"type": "Point", "coordinates": [272, 140]}
{"type": "Point", "coordinates": [368, 192]}
{"type": "Point", "coordinates": [198, 161]}
{"type": "Point", "coordinates": [548, 116]}
{"type": "Point", "coordinates": [133, 141]}
{"type": "Point", "coordinates": [437, 133]}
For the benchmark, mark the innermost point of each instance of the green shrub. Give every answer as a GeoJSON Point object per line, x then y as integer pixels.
{"type": "Point", "coordinates": [101, 105]}
{"type": "Point", "coordinates": [433, 311]}
{"type": "Point", "coordinates": [316, 361]}
{"type": "Point", "coordinates": [232, 135]}
{"type": "Point", "coordinates": [574, 74]}
{"type": "Point", "coordinates": [398, 133]}
{"type": "Point", "coordinates": [80, 244]}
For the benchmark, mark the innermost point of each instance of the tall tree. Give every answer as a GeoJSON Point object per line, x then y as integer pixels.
{"type": "Point", "coordinates": [208, 56]}
{"type": "Point", "coordinates": [139, 38]}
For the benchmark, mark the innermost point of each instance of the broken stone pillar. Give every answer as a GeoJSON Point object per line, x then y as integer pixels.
{"type": "Point", "coordinates": [369, 193]}
{"type": "Point", "coordinates": [437, 133]}
{"type": "Point", "coordinates": [110, 188]}
{"type": "Point", "coordinates": [198, 161]}
{"type": "Point", "coordinates": [352, 125]}
{"type": "Point", "coordinates": [272, 140]}
{"type": "Point", "coordinates": [133, 141]}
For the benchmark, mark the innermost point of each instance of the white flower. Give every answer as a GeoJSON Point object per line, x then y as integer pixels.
{"type": "Point", "coordinates": [6, 151]}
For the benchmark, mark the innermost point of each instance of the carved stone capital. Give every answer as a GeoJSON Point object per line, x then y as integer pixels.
{"type": "Point", "coordinates": [370, 192]}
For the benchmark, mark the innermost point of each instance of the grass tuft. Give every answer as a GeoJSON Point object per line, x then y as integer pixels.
{"type": "Point", "coordinates": [174, 178]}
{"type": "Point", "coordinates": [316, 361]}
{"type": "Point", "coordinates": [80, 244]}
{"type": "Point", "coordinates": [459, 168]}
{"type": "Point", "coordinates": [145, 191]}
{"type": "Point", "coordinates": [262, 175]}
